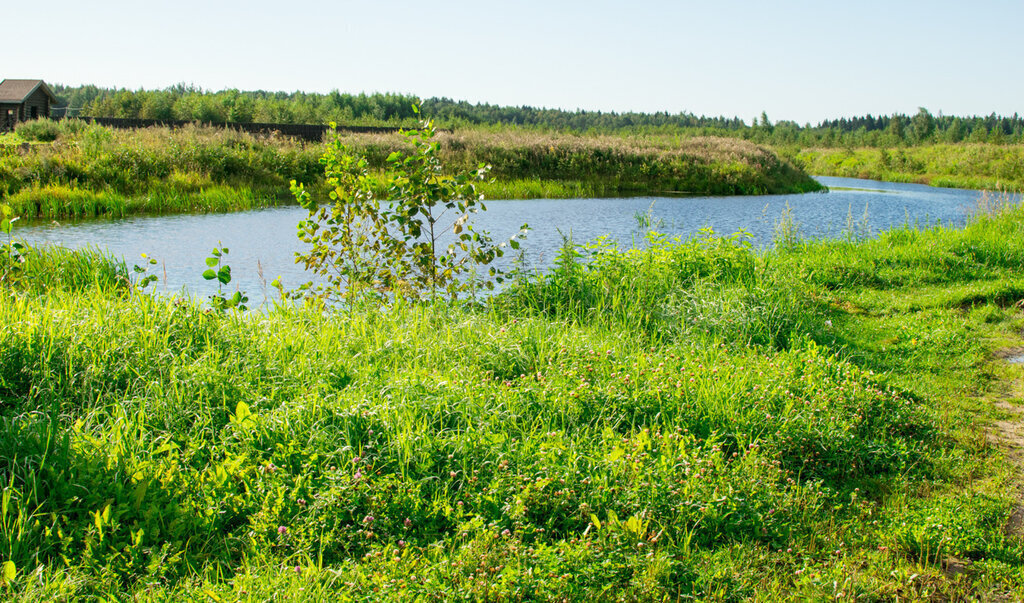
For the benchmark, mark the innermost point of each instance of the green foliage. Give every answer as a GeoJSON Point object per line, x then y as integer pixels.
{"type": "Point", "coordinates": [38, 270]}
{"type": "Point", "coordinates": [7, 219]}
{"type": "Point", "coordinates": [787, 233]}
{"type": "Point", "coordinates": [695, 419]}
{"type": "Point", "coordinates": [416, 243]}
{"type": "Point", "coordinates": [922, 126]}
{"type": "Point", "coordinates": [93, 171]}
{"type": "Point", "coordinates": [220, 271]}
{"type": "Point", "coordinates": [191, 104]}
{"type": "Point", "coordinates": [978, 166]}
{"type": "Point", "coordinates": [964, 527]}
{"type": "Point", "coordinates": [350, 240]}
{"type": "Point", "coordinates": [644, 290]}
{"type": "Point", "coordinates": [42, 130]}
{"type": "Point", "coordinates": [143, 278]}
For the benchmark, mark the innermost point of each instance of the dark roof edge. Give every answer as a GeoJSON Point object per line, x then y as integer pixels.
{"type": "Point", "coordinates": [46, 89]}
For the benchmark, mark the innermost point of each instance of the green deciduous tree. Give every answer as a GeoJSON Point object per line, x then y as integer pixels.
{"type": "Point", "coordinates": [418, 242]}
{"type": "Point", "coordinates": [922, 125]}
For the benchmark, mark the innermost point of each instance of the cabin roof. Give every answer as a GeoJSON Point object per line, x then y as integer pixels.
{"type": "Point", "coordinates": [17, 91]}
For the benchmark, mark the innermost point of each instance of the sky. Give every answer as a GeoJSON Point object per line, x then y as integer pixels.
{"type": "Point", "coordinates": [803, 61]}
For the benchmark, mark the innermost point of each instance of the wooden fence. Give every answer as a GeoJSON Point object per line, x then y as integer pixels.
{"type": "Point", "coordinates": [314, 132]}
{"type": "Point", "coordinates": [6, 124]}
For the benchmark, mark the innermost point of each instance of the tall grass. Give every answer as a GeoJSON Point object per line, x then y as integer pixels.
{"type": "Point", "coordinates": [37, 270]}
{"type": "Point", "coordinates": [60, 202]}
{"type": "Point", "coordinates": [86, 170]}
{"type": "Point", "coordinates": [89, 170]}
{"type": "Point", "coordinates": [613, 164]}
{"type": "Point", "coordinates": [696, 419]}
{"type": "Point", "coordinates": [976, 166]}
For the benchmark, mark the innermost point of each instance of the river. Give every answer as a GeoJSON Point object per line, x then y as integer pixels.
{"type": "Point", "coordinates": [262, 243]}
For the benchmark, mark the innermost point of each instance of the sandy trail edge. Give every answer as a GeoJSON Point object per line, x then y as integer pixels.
{"type": "Point", "coordinates": [1008, 434]}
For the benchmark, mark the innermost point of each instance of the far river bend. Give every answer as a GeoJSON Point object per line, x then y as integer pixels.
{"type": "Point", "coordinates": [263, 241]}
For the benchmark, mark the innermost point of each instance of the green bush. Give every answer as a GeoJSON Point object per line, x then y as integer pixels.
{"type": "Point", "coordinates": [40, 130]}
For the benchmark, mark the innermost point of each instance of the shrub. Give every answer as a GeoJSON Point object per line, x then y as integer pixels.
{"type": "Point", "coordinates": [42, 130]}
{"type": "Point", "coordinates": [403, 246]}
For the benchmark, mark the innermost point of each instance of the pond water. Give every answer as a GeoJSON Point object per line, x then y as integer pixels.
{"type": "Point", "coordinates": [262, 243]}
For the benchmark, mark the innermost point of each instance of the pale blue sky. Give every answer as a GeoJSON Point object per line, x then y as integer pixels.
{"type": "Point", "coordinates": [794, 59]}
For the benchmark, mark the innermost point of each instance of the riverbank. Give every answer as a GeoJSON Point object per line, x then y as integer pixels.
{"type": "Point", "coordinates": [695, 420]}
{"type": "Point", "coordinates": [85, 170]}
{"type": "Point", "coordinates": [963, 165]}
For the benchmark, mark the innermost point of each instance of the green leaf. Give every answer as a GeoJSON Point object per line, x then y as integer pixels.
{"type": "Point", "coordinates": [211, 262]}
{"type": "Point", "coordinates": [634, 525]}
{"type": "Point", "coordinates": [241, 412]}
{"type": "Point", "coordinates": [8, 572]}
{"type": "Point", "coordinates": [210, 275]}
{"type": "Point", "coordinates": [224, 275]}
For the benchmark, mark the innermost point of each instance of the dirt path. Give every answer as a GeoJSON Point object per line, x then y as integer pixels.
{"type": "Point", "coordinates": [1008, 434]}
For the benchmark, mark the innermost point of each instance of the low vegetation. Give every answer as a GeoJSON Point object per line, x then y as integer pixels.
{"type": "Point", "coordinates": [71, 169]}
{"type": "Point", "coordinates": [696, 419]}
{"type": "Point", "coordinates": [968, 165]}
{"type": "Point", "coordinates": [88, 170]}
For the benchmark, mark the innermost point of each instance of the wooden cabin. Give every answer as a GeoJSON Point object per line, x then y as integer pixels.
{"type": "Point", "coordinates": [22, 100]}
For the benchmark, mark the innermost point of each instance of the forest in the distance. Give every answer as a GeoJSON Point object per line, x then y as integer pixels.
{"type": "Point", "coordinates": [185, 102]}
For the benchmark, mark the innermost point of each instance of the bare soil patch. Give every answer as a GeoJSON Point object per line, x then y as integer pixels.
{"type": "Point", "coordinates": [1008, 433]}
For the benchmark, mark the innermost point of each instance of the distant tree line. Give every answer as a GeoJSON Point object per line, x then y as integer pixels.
{"type": "Point", "coordinates": [182, 102]}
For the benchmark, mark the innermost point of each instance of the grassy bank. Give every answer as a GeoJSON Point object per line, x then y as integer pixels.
{"type": "Point", "coordinates": [608, 165]}
{"type": "Point", "coordinates": [88, 170]}
{"type": "Point", "coordinates": [695, 420]}
{"type": "Point", "coordinates": [82, 170]}
{"type": "Point", "coordinates": [965, 165]}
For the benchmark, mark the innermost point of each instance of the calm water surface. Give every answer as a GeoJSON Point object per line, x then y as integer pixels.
{"type": "Point", "coordinates": [263, 242]}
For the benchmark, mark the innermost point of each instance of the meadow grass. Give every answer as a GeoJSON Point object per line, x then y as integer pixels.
{"type": "Point", "coordinates": [964, 165]}
{"type": "Point", "coordinates": [614, 164]}
{"type": "Point", "coordinates": [697, 419]}
{"type": "Point", "coordinates": [72, 169]}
